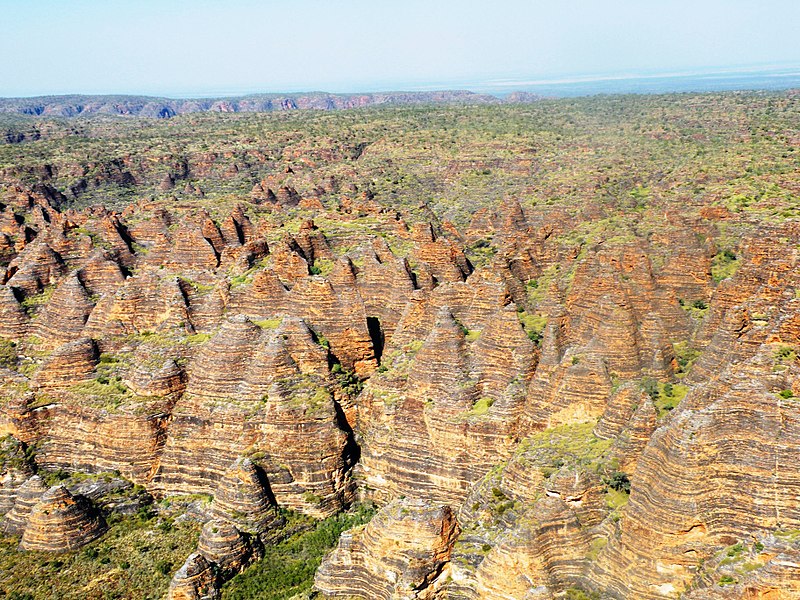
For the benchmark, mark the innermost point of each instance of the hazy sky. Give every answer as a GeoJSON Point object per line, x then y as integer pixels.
{"type": "Point", "coordinates": [177, 47]}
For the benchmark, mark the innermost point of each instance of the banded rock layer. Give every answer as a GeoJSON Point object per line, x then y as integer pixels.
{"type": "Point", "coordinates": [498, 392]}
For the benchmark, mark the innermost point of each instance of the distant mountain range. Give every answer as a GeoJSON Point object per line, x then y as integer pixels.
{"type": "Point", "coordinates": [164, 108]}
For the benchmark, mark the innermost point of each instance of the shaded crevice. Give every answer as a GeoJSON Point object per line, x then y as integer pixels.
{"type": "Point", "coordinates": [264, 481]}
{"type": "Point", "coordinates": [376, 335]}
{"type": "Point", "coordinates": [351, 453]}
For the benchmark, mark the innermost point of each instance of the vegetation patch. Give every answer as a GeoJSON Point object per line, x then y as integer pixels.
{"type": "Point", "coordinates": [288, 567]}
{"type": "Point", "coordinates": [596, 547]}
{"type": "Point", "coordinates": [13, 454]}
{"type": "Point", "coordinates": [348, 380]}
{"type": "Point", "coordinates": [197, 338]}
{"type": "Point", "coordinates": [686, 356]}
{"type": "Point", "coordinates": [31, 304]}
{"type": "Point", "coordinates": [305, 392]}
{"type": "Point", "coordinates": [724, 265]}
{"type": "Point", "coordinates": [696, 309]}
{"type": "Point", "coordinates": [269, 323]}
{"type": "Point", "coordinates": [576, 593]}
{"type": "Point", "coordinates": [472, 335]}
{"type": "Point", "coordinates": [134, 559]}
{"type": "Point", "coordinates": [785, 355]}
{"type": "Point", "coordinates": [481, 407]}
{"type": "Point", "coordinates": [8, 353]}
{"type": "Point", "coordinates": [106, 391]}
{"type": "Point", "coordinates": [665, 395]}
{"type": "Point", "coordinates": [322, 267]}
{"type": "Point", "coordinates": [533, 325]}
{"type": "Point", "coordinates": [573, 444]}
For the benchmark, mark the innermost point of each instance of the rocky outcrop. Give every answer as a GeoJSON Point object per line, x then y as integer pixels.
{"type": "Point", "coordinates": [456, 406]}
{"type": "Point", "coordinates": [266, 390]}
{"type": "Point", "coordinates": [35, 268]}
{"type": "Point", "coordinates": [271, 360]}
{"type": "Point", "coordinates": [192, 251]}
{"type": "Point", "coordinates": [15, 469]}
{"type": "Point", "coordinates": [148, 301]}
{"type": "Point", "coordinates": [243, 498]}
{"type": "Point", "coordinates": [27, 497]}
{"type": "Point", "coordinates": [71, 363]}
{"type": "Point", "coordinates": [13, 320]}
{"type": "Point", "coordinates": [312, 242]}
{"type": "Point", "coordinates": [385, 284]}
{"type": "Point", "coordinates": [224, 545]}
{"type": "Point", "coordinates": [65, 315]}
{"type": "Point", "coordinates": [117, 433]}
{"type": "Point", "coordinates": [101, 274]}
{"type": "Point", "coordinates": [60, 522]}
{"type": "Point", "coordinates": [736, 487]}
{"type": "Point", "coordinates": [402, 553]}
{"type": "Point", "coordinates": [445, 261]}
{"type": "Point", "coordinates": [193, 581]}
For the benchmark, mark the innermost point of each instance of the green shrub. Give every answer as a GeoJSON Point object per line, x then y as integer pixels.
{"type": "Point", "coordinates": [619, 481]}
{"type": "Point", "coordinates": [576, 593]}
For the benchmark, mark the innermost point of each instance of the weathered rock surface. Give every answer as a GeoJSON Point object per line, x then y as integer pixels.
{"type": "Point", "coordinates": [15, 470]}
{"type": "Point", "coordinates": [27, 497]}
{"type": "Point", "coordinates": [13, 320]}
{"type": "Point", "coordinates": [243, 498]}
{"type": "Point", "coordinates": [438, 420]}
{"type": "Point", "coordinates": [270, 360]}
{"type": "Point", "coordinates": [61, 522]}
{"type": "Point", "coordinates": [71, 363]}
{"type": "Point", "coordinates": [223, 544]}
{"type": "Point", "coordinates": [193, 581]}
{"type": "Point", "coordinates": [65, 315]}
{"type": "Point", "coordinates": [247, 382]}
{"type": "Point", "coordinates": [401, 553]}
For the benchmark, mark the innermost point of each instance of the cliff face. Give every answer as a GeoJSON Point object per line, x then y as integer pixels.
{"type": "Point", "coordinates": [536, 412]}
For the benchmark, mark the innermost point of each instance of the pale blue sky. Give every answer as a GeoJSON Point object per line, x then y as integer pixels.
{"type": "Point", "coordinates": [200, 47]}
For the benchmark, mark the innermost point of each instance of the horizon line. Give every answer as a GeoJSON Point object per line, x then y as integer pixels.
{"type": "Point", "coordinates": [502, 86]}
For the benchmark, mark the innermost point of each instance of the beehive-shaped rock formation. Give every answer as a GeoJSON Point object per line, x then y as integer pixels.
{"type": "Point", "coordinates": [242, 498]}
{"type": "Point", "coordinates": [169, 380]}
{"type": "Point", "coordinates": [36, 267]}
{"type": "Point", "coordinates": [401, 553]}
{"type": "Point", "coordinates": [736, 485]}
{"type": "Point", "coordinates": [223, 544]}
{"type": "Point", "coordinates": [193, 251]}
{"type": "Point", "coordinates": [150, 300]}
{"type": "Point", "coordinates": [265, 389]}
{"type": "Point", "coordinates": [193, 581]}
{"type": "Point", "coordinates": [13, 320]}
{"type": "Point", "coordinates": [14, 471]}
{"type": "Point", "coordinates": [101, 274]}
{"type": "Point", "coordinates": [65, 315]}
{"type": "Point", "coordinates": [28, 495]}
{"type": "Point", "coordinates": [60, 522]}
{"type": "Point", "coordinates": [446, 262]}
{"type": "Point", "coordinates": [71, 363]}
